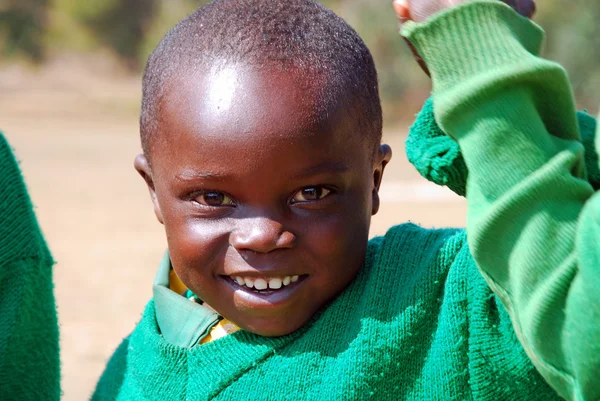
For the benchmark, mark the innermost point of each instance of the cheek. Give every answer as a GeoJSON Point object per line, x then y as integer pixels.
{"type": "Point", "coordinates": [197, 248]}
{"type": "Point", "coordinates": [340, 240]}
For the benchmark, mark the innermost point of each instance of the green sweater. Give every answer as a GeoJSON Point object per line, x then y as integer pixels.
{"type": "Point", "coordinates": [420, 322]}
{"type": "Point", "coordinates": [29, 363]}
{"type": "Point", "coordinates": [533, 219]}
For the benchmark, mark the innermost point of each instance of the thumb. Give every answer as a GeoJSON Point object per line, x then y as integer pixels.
{"type": "Point", "coordinates": [401, 9]}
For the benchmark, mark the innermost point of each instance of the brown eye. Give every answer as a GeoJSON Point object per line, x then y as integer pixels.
{"type": "Point", "coordinates": [310, 194]}
{"type": "Point", "coordinates": [214, 198]}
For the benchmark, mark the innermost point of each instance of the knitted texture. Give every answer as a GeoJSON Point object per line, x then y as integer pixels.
{"type": "Point", "coordinates": [438, 158]}
{"type": "Point", "coordinates": [587, 130]}
{"type": "Point", "coordinates": [434, 154]}
{"type": "Point", "coordinates": [531, 212]}
{"type": "Point", "coordinates": [418, 323]}
{"type": "Point", "coordinates": [29, 355]}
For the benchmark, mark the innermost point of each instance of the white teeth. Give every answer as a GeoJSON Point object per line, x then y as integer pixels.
{"type": "Point", "coordinates": [275, 283]}
{"type": "Point", "coordinates": [260, 284]}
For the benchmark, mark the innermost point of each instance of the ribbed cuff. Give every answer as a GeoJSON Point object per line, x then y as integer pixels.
{"type": "Point", "coordinates": [471, 39]}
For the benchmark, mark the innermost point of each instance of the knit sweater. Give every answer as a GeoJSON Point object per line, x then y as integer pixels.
{"type": "Point", "coordinates": [420, 321]}
{"type": "Point", "coordinates": [533, 219]}
{"type": "Point", "coordinates": [29, 361]}
{"type": "Point", "coordinates": [437, 157]}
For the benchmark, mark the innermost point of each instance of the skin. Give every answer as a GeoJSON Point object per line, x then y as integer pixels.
{"type": "Point", "coordinates": [250, 180]}
{"type": "Point", "coordinates": [421, 10]}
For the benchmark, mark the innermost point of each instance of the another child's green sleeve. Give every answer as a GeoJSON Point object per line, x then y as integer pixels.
{"type": "Point", "coordinates": [29, 355]}
{"type": "Point", "coordinates": [533, 222]}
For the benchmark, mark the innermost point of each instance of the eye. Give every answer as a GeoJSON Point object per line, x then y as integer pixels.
{"type": "Point", "coordinates": [310, 194]}
{"type": "Point", "coordinates": [213, 199]}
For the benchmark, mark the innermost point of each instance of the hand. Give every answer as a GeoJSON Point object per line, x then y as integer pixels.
{"type": "Point", "coordinates": [421, 10]}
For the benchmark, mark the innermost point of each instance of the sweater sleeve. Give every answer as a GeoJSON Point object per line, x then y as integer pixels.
{"type": "Point", "coordinates": [29, 356]}
{"type": "Point", "coordinates": [532, 222]}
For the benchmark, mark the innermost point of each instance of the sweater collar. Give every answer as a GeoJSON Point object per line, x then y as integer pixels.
{"type": "Point", "coordinates": [181, 322]}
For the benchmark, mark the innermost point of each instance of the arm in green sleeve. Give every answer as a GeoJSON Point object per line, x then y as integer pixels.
{"type": "Point", "coordinates": [532, 223]}
{"type": "Point", "coordinates": [586, 323]}
{"type": "Point", "coordinates": [29, 356]}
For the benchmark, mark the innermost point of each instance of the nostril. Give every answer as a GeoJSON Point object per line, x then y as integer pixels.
{"type": "Point", "coordinates": [286, 240]}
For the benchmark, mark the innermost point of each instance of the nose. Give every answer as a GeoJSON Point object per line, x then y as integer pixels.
{"type": "Point", "coordinates": [261, 234]}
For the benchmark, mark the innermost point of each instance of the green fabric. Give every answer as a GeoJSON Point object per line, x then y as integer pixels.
{"type": "Point", "coordinates": [29, 358]}
{"type": "Point", "coordinates": [418, 323]}
{"type": "Point", "coordinates": [532, 221]}
{"type": "Point", "coordinates": [437, 157]}
{"type": "Point", "coordinates": [182, 323]}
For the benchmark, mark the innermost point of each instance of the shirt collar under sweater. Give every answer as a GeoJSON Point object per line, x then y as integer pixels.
{"type": "Point", "coordinates": [181, 322]}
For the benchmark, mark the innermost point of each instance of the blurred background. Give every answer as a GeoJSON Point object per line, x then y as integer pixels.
{"type": "Point", "coordinates": [69, 102]}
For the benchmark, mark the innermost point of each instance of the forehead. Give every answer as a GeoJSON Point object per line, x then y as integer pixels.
{"type": "Point", "coordinates": [224, 109]}
{"type": "Point", "coordinates": [239, 96]}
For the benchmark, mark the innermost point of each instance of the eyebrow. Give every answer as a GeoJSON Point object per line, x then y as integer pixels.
{"type": "Point", "coordinates": [335, 167]}
{"type": "Point", "coordinates": [189, 175]}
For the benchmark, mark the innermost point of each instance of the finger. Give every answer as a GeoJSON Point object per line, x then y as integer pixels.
{"type": "Point", "coordinates": [526, 8]}
{"type": "Point", "coordinates": [422, 10]}
{"type": "Point", "coordinates": [401, 9]}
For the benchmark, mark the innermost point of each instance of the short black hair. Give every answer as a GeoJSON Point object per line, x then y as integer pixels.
{"type": "Point", "coordinates": [300, 36]}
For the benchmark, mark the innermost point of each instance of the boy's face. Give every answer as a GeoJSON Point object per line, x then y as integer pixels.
{"type": "Point", "coordinates": [254, 187]}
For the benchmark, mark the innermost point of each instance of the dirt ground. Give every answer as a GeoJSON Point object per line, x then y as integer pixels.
{"type": "Point", "coordinates": [76, 135]}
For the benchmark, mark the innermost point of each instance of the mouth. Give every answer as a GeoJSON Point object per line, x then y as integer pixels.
{"type": "Point", "coordinates": [274, 290]}
{"type": "Point", "coordinates": [265, 283]}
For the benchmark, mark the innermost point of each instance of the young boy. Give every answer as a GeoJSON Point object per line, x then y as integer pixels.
{"type": "Point", "coordinates": [261, 127]}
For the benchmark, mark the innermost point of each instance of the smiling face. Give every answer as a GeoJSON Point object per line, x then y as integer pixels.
{"type": "Point", "coordinates": [256, 190]}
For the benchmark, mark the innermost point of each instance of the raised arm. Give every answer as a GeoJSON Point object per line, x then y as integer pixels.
{"type": "Point", "coordinates": [29, 356]}
{"type": "Point", "coordinates": [532, 221]}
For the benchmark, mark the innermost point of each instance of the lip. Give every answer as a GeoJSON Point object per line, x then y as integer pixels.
{"type": "Point", "coordinates": [265, 298]}
{"type": "Point", "coordinates": [262, 273]}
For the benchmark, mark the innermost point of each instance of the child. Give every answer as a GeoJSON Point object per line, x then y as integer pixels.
{"type": "Point", "coordinates": [261, 128]}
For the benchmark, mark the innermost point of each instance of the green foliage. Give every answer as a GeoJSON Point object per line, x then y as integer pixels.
{"type": "Point", "coordinates": [573, 39]}
{"type": "Point", "coordinates": [22, 28]}
{"type": "Point", "coordinates": [122, 25]}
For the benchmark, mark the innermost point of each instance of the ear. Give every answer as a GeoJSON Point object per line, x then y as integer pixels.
{"type": "Point", "coordinates": [382, 158]}
{"type": "Point", "coordinates": [143, 167]}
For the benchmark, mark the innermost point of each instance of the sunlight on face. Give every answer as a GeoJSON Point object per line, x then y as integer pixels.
{"type": "Point", "coordinates": [222, 88]}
